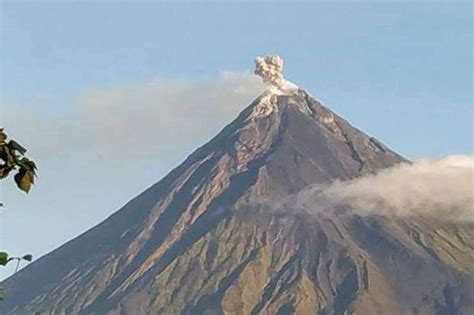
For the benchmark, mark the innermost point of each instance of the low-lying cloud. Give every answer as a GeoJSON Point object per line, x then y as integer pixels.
{"type": "Point", "coordinates": [441, 189]}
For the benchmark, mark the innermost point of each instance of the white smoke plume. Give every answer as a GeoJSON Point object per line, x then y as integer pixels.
{"type": "Point", "coordinates": [441, 189]}
{"type": "Point", "coordinates": [270, 68]}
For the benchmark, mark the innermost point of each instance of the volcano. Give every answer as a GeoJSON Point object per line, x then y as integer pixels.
{"type": "Point", "coordinates": [200, 241]}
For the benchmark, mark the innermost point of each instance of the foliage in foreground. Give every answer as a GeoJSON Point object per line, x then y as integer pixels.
{"type": "Point", "coordinates": [12, 156]}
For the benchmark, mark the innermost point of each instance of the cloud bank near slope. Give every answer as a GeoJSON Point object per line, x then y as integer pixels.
{"type": "Point", "coordinates": [441, 189]}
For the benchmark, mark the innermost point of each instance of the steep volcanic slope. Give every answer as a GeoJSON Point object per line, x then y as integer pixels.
{"type": "Point", "coordinates": [200, 242]}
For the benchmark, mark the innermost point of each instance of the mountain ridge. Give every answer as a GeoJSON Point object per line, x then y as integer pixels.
{"type": "Point", "coordinates": [199, 226]}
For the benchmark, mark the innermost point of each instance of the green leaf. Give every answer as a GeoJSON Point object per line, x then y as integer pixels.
{"type": "Point", "coordinates": [12, 159]}
{"type": "Point", "coordinates": [3, 258]}
{"type": "Point", "coordinates": [24, 179]}
{"type": "Point", "coordinates": [28, 164]}
{"type": "Point", "coordinates": [15, 146]}
{"type": "Point", "coordinates": [27, 257]}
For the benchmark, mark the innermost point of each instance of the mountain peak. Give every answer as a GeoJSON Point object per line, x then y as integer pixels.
{"type": "Point", "coordinates": [199, 242]}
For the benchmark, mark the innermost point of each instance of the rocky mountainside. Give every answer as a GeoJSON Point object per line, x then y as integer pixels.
{"type": "Point", "coordinates": [200, 242]}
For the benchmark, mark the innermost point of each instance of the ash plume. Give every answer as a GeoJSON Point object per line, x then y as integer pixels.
{"type": "Point", "coordinates": [270, 68]}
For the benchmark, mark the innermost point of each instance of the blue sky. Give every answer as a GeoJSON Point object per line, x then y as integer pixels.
{"type": "Point", "coordinates": [399, 71]}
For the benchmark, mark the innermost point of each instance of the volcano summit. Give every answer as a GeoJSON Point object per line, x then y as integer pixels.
{"type": "Point", "coordinates": [199, 241]}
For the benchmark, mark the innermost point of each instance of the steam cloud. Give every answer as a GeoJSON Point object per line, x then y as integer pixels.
{"type": "Point", "coordinates": [442, 189]}
{"type": "Point", "coordinates": [269, 68]}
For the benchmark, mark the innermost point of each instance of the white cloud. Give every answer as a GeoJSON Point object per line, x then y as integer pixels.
{"type": "Point", "coordinates": [442, 189]}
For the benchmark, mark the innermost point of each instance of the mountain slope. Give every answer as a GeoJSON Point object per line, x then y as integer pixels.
{"type": "Point", "coordinates": [200, 242]}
